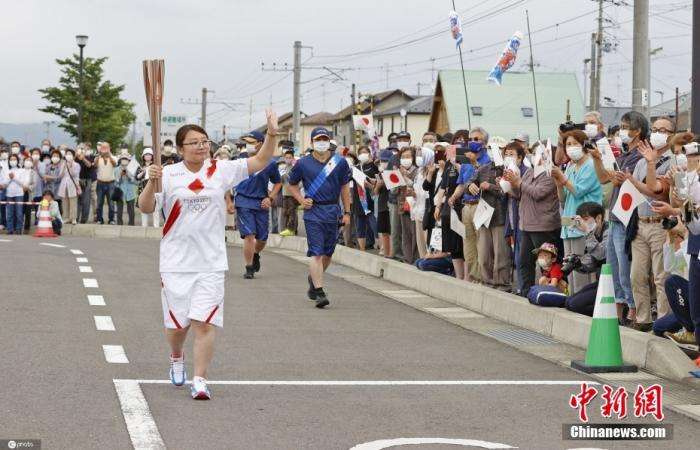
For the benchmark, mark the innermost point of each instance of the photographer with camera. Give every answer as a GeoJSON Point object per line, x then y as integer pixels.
{"type": "Point", "coordinates": [592, 126]}
{"type": "Point", "coordinates": [590, 221]}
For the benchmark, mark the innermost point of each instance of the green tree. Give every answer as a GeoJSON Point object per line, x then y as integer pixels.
{"type": "Point", "coordinates": [106, 116]}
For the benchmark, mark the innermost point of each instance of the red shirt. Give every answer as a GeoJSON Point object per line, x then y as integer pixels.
{"type": "Point", "coordinates": [554, 271]}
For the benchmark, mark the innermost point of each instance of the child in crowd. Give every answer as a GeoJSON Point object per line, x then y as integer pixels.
{"type": "Point", "coordinates": [54, 211]}
{"type": "Point", "coordinates": [550, 268]}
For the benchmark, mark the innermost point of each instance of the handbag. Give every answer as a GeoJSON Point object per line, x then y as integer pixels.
{"type": "Point", "coordinates": [117, 194]}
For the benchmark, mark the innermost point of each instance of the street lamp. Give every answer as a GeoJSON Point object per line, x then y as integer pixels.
{"type": "Point", "coordinates": [81, 40]}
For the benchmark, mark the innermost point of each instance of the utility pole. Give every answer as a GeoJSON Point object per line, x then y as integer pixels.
{"type": "Point", "coordinates": [296, 115]}
{"type": "Point", "coordinates": [694, 113]}
{"type": "Point", "coordinates": [250, 114]}
{"type": "Point", "coordinates": [386, 67]}
{"type": "Point", "coordinates": [353, 109]}
{"type": "Point", "coordinates": [594, 72]}
{"type": "Point", "coordinates": [640, 57]}
{"type": "Point", "coordinates": [599, 57]}
{"type": "Point", "coordinates": [585, 83]}
{"type": "Point", "coordinates": [224, 133]}
{"type": "Point", "coordinates": [203, 120]}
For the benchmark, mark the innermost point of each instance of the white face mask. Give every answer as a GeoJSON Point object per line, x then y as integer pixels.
{"type": "Point", "coordinates": [401, 144]}
{"type": "Point", "coordinates": [3, 156]}
{"type": "Point", "coordinates": [13, 163]}
{"type": "Point", "coordinates": [27, 164]}
{"type": "Point", "coordinates": [124, 163]}
{"type": "Point", "coordinates": [167, 150]}
{"type": "Point", "coordinates": [625, 136]}
{"type": "Point", "coordinates": [15, 150]}
{"type": "Point", "coordinates": [45, 148]}
{"type": "Point", "coordinates": [250, 148]}
{"type": "Point", "coordinates": [509, 162]}
{"type": "Point", "coordinates": [430, 145]}
{"type": "Point", "coordinates": [35, 157]}
{"type": "Point", "coordinates": [69, 157]}
{"type": "Point", "coordinates": [591, 130]}
{"type": "Point", "coordinates": [589, 225]}
{"type": "Point", "coordinates": [55, 159]}
{"type": "Point", "coordinates": [406, 163]}
{"type": "Point", "coordinates": [574, 152]}
{"type": "Point", "coordinates": [419, 161]}
{"type": "Point", "coordinates": [658, 140]}
{"type": "Point", "coordinates": [691, 148]}
{"type": "Point", "coordinates": [543, 263]}
{"type": "Point", "coordinates": [63, 153]}
{"type": "Point", "coordinates": [363, 157]}
{"type": "Point", "coordinates": [322, 146]}
{"type": "Point", "coordinates": [617, 141]}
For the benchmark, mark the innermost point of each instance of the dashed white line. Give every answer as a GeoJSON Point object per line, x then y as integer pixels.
{"type": "Point", "coordinates": [139, 420]}
{"type": "Point", "coordinates": [85, 269]}
{"type": "Point", "coordinates": [96, 300]}
{"type": "Point", "coordinates": [81, 260]}
{"type": "Point", "coordinates": [5, 240]}
{"type": "Point", "coordinates": [104, 323]}
{"type": "Point", "coordinates": [52, 245]}
{"type": "Point", "coordinates": [388, 382]}
{"type": "Point", "coordinates": [76, 251]}
{"type": "Point", "coordinates": [115, 354]}
{"type": "Point", "coordinates": [90, 283]}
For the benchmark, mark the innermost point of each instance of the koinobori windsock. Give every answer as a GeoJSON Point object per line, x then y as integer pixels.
{"type": "Point", "coordinates": [507, 59]}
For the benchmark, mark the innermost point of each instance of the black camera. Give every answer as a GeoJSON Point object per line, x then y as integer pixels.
{"type": "Point", "coordinates": [570, 263]}
{"type": "Point", "coordinates": [570, 126]}
{"type": "Point", "coordinates": [669, 223]}
{"type": "Point", "coordinates": [461, 155]}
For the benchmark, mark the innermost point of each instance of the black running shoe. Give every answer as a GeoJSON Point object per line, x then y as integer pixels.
{"type": "Point", "coordinates": [321, 299]}
{"type": "Point", "coordinates": [249, 273]}
{"type": "Point", "coordinates": [312, 290]}
{"type": "Point", "coordinates": [256, 262]}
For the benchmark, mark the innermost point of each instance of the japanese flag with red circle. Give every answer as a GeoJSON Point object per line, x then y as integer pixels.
{"type": "Point", "coordinates": [628, 199]}
{"type": "Point", "coordinates": [393, 179]}
{"type": "Point", "coordinates": [363, 122]}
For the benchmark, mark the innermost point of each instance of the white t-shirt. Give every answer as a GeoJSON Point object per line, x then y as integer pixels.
{"type": "Point", "coordinates": [15, 186]}
{"type": "Point", "coordinates": [195, 211]}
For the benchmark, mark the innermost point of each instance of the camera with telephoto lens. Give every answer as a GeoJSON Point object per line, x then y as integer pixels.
{"type": "Point", "coordinates": [570, 263]}
{"type": "Point", "coordinates": [570, 126]}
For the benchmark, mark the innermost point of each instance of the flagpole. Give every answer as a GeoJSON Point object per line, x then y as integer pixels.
{"type": "Point", "coordinates": [532, 69]}
{"type": "Point", "coordinates": [464, 78]}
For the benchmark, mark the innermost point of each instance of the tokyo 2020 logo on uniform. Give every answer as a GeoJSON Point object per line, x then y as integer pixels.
{"type": "Point", "coordinates": [197, 204]}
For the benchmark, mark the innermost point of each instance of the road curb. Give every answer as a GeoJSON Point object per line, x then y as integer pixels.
{"type": "Point", "coordinates": [651, 353]}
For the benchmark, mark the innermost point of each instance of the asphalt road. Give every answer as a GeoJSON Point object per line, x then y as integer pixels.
{"type": "Point", "coordinates": [58, 387]}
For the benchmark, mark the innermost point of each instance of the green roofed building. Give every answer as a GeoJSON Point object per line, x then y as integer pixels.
{"type": "Point", "coordinates": [507, 109]}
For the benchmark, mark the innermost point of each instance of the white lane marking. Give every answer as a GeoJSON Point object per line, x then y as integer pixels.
{"type": "Point", "coordinates": [140, 425]}
{"type": "Point", "coordinates": [85, 269]}
{"type": "Point", "coordinates": [104, 323]}
{"type": "Point", "coordinates": [115, 354]}
{"type": "Point", "coordinates": [96, 300]}
{"type": "Point", "coordinates": [81, 260]}
{"type": "Point", "coordinates": [90, 283]}
{"type": "Point", "coordinates": [5, 240]}
{"type": "Point", "coordinates": [76, 251]}
{"type": "Point", "coordinates": [386, 443]}
{"type": "Point", "coordinates": [388, 382]}
{"type": "Point", "coordinates": [52, 245]}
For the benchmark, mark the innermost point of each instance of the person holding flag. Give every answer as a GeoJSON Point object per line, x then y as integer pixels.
{"type": "Point", "coordinates": [193, 256]}
{"type": "Point", "coordinates": [364, 177]}
{"type": "Point", "coordinates": [326, 180]}
{"type": "Point", "coordinates": [253, 203]}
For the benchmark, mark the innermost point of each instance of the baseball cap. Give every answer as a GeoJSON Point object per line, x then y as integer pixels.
{"type": "Point", "coordinates": [522, 137]}
{"type": "Point", "coordinates": [403, 134]}
{"type": "Point", "coordinates": [320, 131]}
{"type": "Point", "coordinates": [254, 135]}
{"type": "Point", "coordinates": [147, 151]}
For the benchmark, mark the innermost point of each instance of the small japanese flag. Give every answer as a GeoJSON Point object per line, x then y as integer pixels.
{"type": "Point", "coordinates": [628, 199]}
{"type": "Point", "coordinates": [393, 179]}
{"type": "Point", "coordinates": [363, 122]}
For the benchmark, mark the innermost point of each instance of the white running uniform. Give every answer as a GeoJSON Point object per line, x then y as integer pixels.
{"type": "Point", "coordinates": [193, 249]}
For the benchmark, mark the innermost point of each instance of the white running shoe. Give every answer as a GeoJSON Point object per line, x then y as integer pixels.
{"type": "Point", "coordinates": [177, 370]}
{"type": "Point", "coordinates": [200, 391]}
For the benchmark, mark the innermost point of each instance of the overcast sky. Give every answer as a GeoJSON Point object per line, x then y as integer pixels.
{"type": "Point", "coordinates": [220, 44]}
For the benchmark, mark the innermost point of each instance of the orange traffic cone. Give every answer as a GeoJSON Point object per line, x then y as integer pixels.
{"type": "Point", "coordinates": [44, 228]}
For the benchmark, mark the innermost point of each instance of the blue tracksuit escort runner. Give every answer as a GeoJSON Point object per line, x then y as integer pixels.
{"type": "Point", "coordinates": [322, 183]}
{"type": "Point", "coordinates": [250, 215]}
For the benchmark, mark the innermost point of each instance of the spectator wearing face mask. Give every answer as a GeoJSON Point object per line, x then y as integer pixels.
{"type": "Point", "coordinates": [615, 140]}
{"type": "Point", "coordinates": [15, 181]}
{"type": "Point", "coordinates": [126, 182]}
{"type": "Point", "coordinates": [403, 140]}
{"type": "Point", "coordinates": [88, 174]}
{"type": "Point", "coordinates": [424, 161]}
{"type": "Point", "coordinates": [578, 185]}
{"type": "Point", "coordinates": [31, 193]}
{"type": "Point", "coordinates": [468, 191]}
{"type": "Point", "coordinates": [168, 155]}
{"type": "Point", "coordinates": [289, 203]}
{"type": "Point", "coordinates": [54, 212]}
{"type": "Point", "coordinates": [593, 128]}
{"type": "Point", "coordinates": [409, 170]}
{"type": "Point", "coordinates": [52, 175]}
{"type": "Point", "coordinates": [645, 230]}
{"type": "Point", "coordinates": [362, 200]}
{"type": "Point", "coordinates": [634, 129]}
{"type": "Point", "coordinates": [538, 216]}
{"type": "Point", "coordinates": [431, 185]}
{"type": "Point", "coordinates": [514, 156]}
{"type": "Point", "coordinates": [141, 178]}
{"type": "Point", "coordinates": [4, 168]}
{"type": "Point", "coordinates": [105, 163]}
{"type": "Point", "coordinates": [69, 187]}
{"type": "Point", "coordinates": [383, 214]}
